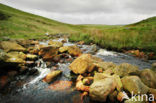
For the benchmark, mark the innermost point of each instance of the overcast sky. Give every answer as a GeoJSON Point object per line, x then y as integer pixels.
{"type": "Point", "coordinates": [88, 11]}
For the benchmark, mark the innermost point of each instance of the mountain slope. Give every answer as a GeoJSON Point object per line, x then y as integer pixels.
{"type": "Point", "coordinates": [18, 24]}
{"type": "Point", "coordinates": [140, 35]}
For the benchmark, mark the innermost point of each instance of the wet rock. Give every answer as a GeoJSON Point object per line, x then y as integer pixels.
{"type": "Point", "coordinates": [56, 58]}
{"type": "Point", "coordinates": [16, 57]}
{"type": "Point", "coordinates": [63, 49]}
{"type": "Point", "coordinates": [105, 65]}
{"type": "Point", "coordinates": [48, 53]}
{"type": "Point", "coordinates": [60, 85]}
{"type": "Point", "coordinates": [27, 43]}
{"type": "Point", "coordinates": [94, 49]}
{"type": "Point", "coordinates": [102, 86]}
{"type": "Point", "coordinates": [17, 54]}
{"type": "Point", "coordinates": [154, 66]}
{"type": "Point", "coordinates": [153, 92]}
{"type": "Point", "coordinates": [125, 69]}
{"type": "Point", "coordinates": [3, 81]}
{"type": "Point", "coordinates": [80, 42]}
{"type": "Point", "coordinates": [120, 96]}
{"type": "Point", "coordinates": [3, 56]}
{"type": "Point", "coordinates": [12, 73]}
{"type": "Point", "coordinates": [11, 46]}
{"type": "Point", "coordinates": [113, 96]}
{"type": "Point", "coordinates": [79, 84]}
{"type": "Point", "coordinates": [134, 84]}
{"type": "Point", "coordinates": [31, 57]}
{"type": "Point", "coordinates": [84, 63]}
{"type": "Point", "coordinates": [29, 63]}
{"type": "Point", "coordinates": [148, 77]}
{"type": "Point", "coordinates": [51, 76]}
{"type": "Point", "coordinates": [87, 80]}
{"type": "Point", "coordinates": [136, 100]}
{"type": "Point", "coordinates": [33, 72]}
{"type": "Point", "coordinates": [118, 81]}
{"type": "Point", "coordinates": [55, 43]}
{"type": "Point", "coordinates": [74, 50]}
{"type": "Point", "coordinates": [64, 41]}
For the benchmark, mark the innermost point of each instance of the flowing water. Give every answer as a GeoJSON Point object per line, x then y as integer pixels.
{"type": "Point", "coordinates": [31, 89]}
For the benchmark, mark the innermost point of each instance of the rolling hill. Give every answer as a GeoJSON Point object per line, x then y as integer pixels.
{"type": "Point", "coordinates": [18, 24]}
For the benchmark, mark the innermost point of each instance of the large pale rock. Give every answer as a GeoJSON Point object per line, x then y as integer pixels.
{"type": "Point", "coordinates": [134, 85]}
{"type": "Point", "coordinates": [51, 76]}
{"type": "Point", "coordinates": [55, 43]}
{"type": "Point", "coordinates": [74, 50]}
{"type": "Point", "coordinates": [84, 63]}
{"type": "Point", "coordinates": [102, 86]}
{"type": "Point", "coordinates": [63, 49]}
{"type": "Point", "coordinates": [105, 65]}
{"type": "Point", "coordinates": [125, 69]}
{"type": "Point", "coordinates": [11, 46]}
{"type": "Point", "coordinates": [118, 81]}
{"type": "Point", "coordinates": [148, 77]}
{"type": "Point", "coordinates": [3, 55]}
{"type": "Point", "coordinates": [16, 57]}
{"type": "Point", "coordinates": [48, 53]}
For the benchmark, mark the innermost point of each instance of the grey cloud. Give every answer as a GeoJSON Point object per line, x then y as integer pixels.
{"type": "Point", "coordinates": [70, 6]}
{"type": "Point", "coordinates": [141, 6]}
{"type": "Point", "coordinates": [89, 11]}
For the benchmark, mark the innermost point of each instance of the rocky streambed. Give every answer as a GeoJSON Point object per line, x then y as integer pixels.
{"type": "Point", "coordinates": [58, 71]}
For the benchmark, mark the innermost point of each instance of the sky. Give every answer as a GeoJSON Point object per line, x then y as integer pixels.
{"type": "Point", "coordinates": [111, 12]}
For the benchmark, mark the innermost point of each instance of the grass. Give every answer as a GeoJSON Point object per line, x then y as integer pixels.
{"type": "Point", "coordinates": [18, 24]}
{"type": "Point", "coordinates": [141, 35]}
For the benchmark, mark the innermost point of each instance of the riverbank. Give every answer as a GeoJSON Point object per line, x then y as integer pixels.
{"type": "Point", "coordinates": [47, 70]}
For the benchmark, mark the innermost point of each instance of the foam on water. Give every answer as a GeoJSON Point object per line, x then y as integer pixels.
{"type": "Point", "coordinates": [43, 71]}
{"type": "Point", "coordinates": [106, 53]}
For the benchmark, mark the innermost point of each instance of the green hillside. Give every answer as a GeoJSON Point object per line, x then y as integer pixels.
{"type": "Point", "coordinates": [17, 24]}
{"type": "Point", "coordinates": [140, 35]}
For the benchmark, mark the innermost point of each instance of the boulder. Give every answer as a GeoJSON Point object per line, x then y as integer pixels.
{"type": "Point", "coordinates": [63, 49]}
{"type": "Point", "coordinates": [80, 42]}
{"type": "Point", "coordinates": [27, 43]}
{"type": "Point", "coordinates": [154, 66]}
{"type": "Point", "coordinates": [11, 46]}
{"type": "Point", "coordinates": [3, 56]}
{"type": "Point", "coordinates": [51, 76]}
{"type": "Point", "coordinates": [55, 43]}
{"type": "Point", "coordinates": [74, 50]}
{"type": "Point", "coordinates": [48, 53]}
{"type": "Point", "coordinates": [31, 56]}
{"type": "Point", "coordinates": [79, 84]}
{"type": "Point", "coordinates": [93, 49]}
{"type": "Point", "coordinates": [105, 65]}
{"type": "Point", "coordinates": [125, 69]}
{"type": "Point", "coordinates": [153, 92]}
{"type": "Point", "coordinates": [102, 86]}
{"type": "Point", "coordinates": [113, 96]}
{"type": "Point", "coordinates": [118, 81]}
{"type": "Point", "coordinates": [134, 85]}
{"type": "Point", "coordinates": [60, 85]}
{"type": "Point", "coordinates": [3, 81]}
{"type": "Point", "coordinates": [16, 57]}
{"type": "Point", "coordinates": [148, 77]}
{"type": "Point", "coordinates": [84, 63]}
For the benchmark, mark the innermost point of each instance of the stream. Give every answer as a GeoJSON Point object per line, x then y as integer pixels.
{"type": "Point", "coordinates": [31, 88]}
